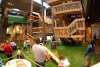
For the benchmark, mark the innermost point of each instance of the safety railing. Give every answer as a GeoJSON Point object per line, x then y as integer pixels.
{"type": "Point", "coordinates": [67, 7]}
{"type": "Point", "coordinates": [77, 24]}
{"type": "Point", "coordinates": [51, 1]}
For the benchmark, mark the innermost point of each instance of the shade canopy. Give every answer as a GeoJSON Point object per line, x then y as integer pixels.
{"type": "Point", "coordinates": [16, 19]}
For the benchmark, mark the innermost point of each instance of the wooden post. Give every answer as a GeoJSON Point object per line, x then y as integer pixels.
{"type": "Point", "coordinates": [29, 26]}
{"type": "Point", "coordinates": [43, 21]}
{"type": "Point", "coordinates": [4, 20]}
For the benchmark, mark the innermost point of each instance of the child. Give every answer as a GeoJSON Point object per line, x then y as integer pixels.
{"type": "Point", "coordinates": [89, 53]}
{"type": "Point", "coordinates": [63, 62]}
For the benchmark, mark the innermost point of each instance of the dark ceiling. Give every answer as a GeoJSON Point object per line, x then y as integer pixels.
{"type": "Point", "coordinates": [91, 10]}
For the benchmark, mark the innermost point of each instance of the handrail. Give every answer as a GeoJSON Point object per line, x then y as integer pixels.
{"type": "Point", "coordinates": [67, 7]}
{"type": "Point", "coordinates": [51, 1]}
{"type": "Point", "coordinates": [77, 24]}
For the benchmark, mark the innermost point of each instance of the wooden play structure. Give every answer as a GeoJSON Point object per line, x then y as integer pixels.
{"type": "Point", "coordinates": [77, 26]}
{"type": "Point", "coordinates": [74, 29]}
{"type": "Point", "coordinates": [69, 29]}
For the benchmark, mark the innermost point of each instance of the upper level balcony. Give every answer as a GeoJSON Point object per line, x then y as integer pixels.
{"type": "Point", "coordinates": [67, 7]}
{"type": "Point", "coordinates": [51, 1]}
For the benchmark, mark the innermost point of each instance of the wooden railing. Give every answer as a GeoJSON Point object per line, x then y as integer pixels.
{"type": "Point", "coordinates": [40, 30]}
{"type": "Point", "coordinates": [60, 32]}
{"type": "Point", "coordinates": [51, 1]}
{"type": "Point", "coordinates": [67, 7]}
{"type": "Point", "coordinates": [77, 24]}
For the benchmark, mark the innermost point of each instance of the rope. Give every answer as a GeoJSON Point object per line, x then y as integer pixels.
{"type": "Point", "coordinates": [31, 60]}
{"type": "Point", "coordinates": [24, 56]}
{"type": "Point", "coordinates": [9, 57]}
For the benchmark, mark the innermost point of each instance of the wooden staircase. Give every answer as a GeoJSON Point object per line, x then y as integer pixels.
{"type": "Point", "coordinates": [76, 28]}
{"type": "Point", "coordinates": [69, 32]}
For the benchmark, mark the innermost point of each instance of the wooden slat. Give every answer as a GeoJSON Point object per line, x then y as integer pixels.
{"type": "Point", "coordinates": [24, 5]}
{"type": "Point", "coordinates": [21, 4]}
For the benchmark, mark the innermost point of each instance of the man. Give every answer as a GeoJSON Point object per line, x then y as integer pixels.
{"type": "Point", "coordinates": [40, 53]}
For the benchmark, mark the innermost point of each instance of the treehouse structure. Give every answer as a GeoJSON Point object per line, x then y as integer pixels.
{"type": "Point", "coordinates": [68, 19]}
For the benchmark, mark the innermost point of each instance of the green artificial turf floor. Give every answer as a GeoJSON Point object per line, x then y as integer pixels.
{"type": "Point", "coordinates": [75, 55]}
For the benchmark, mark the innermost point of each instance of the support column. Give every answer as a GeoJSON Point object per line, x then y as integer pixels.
{"type": "Point", "coordinates": [4, 20]}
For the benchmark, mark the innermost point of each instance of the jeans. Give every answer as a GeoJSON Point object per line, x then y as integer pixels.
{"type": "Point", "coordinates": [41, 64]}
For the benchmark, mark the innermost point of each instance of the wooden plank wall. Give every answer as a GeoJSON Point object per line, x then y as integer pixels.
{"type": "Point", "coordinates": [97, 49]}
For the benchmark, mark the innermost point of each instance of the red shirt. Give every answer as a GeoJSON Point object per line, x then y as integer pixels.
{"type": "Point", "coordinates": [7, 48]}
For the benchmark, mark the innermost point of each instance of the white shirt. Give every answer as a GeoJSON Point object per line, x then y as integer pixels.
{"type": "Point", "coordinates": [39, 53]}
{"type": "Point", "coordinates": [64, 63]}
{"type": "Point", "coordinates": [49, 38]}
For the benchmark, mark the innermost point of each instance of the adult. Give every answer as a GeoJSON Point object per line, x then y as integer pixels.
{"type": "Point", "coordinates": [89, 53]}
{"type": "Point", "coordinates": [40, 53]}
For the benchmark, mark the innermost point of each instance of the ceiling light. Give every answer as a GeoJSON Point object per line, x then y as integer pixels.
{"type": "Point", "coordinates": [40, 2]}
{"type": "Point", "coordinates": [0, 1]}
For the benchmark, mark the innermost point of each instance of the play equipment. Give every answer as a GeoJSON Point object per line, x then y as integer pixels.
{"type": "Point", "coordinates": [53, 56]}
